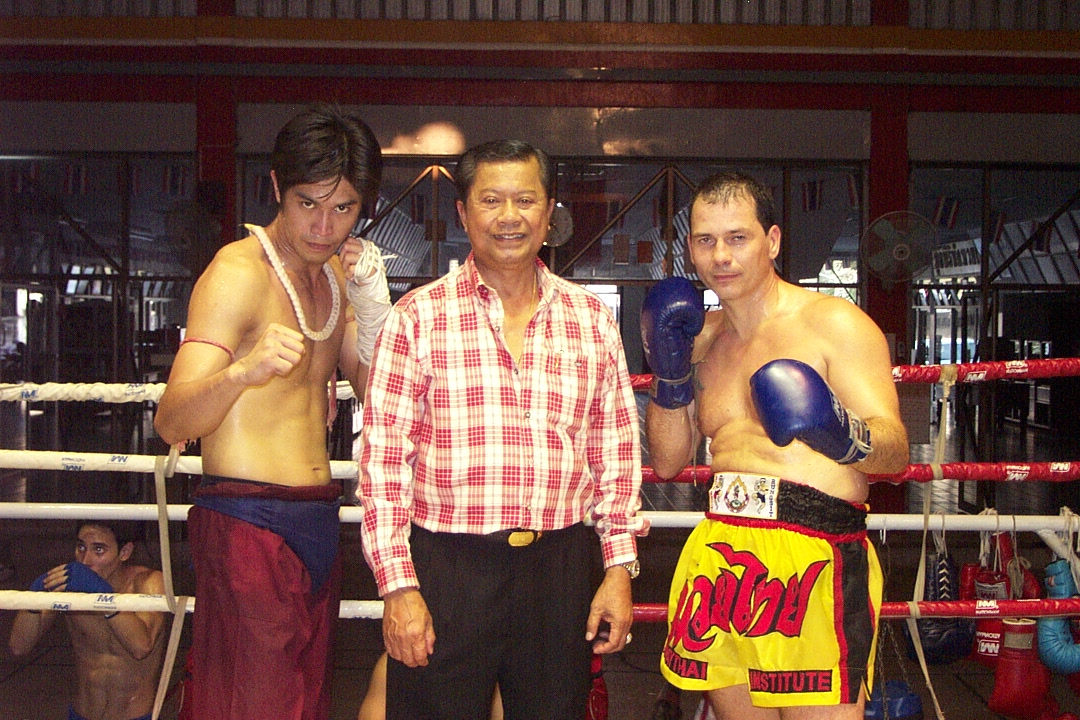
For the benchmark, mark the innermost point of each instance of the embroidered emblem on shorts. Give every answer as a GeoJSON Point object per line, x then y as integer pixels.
{"type": "Point", "coordinates": [736, 497]}
{"type": "Point", "coordinates": [802, 681]}
{"type": "Point", "coordinates": [684, 666]}
{"type": "Point", "coordinates": [742, 495]}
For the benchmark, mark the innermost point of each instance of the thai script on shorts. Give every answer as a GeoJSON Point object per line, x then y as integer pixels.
{"type": "Point", "coordinates": [748, 604]}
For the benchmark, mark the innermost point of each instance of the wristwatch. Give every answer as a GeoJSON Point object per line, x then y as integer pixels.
{"type": "Point", "coordinates": [633, 567]}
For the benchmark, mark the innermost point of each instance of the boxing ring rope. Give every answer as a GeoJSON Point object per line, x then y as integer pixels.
{"type": "Point", "coordinates": [1046, 526]}
{"type": "Point", "coordinates": [139, 392]}
{"type": "Point", "coordinates": [659, 518]}
{"type": "Point", "coordinates": [643, 612]}
{"type": "Point", "coordinates": [925, 472]}
{"type": "Point", "coordinates": [961, 373]}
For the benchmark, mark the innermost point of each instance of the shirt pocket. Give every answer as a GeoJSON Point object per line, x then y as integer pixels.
{"type": "Point", "coordinates": [573, 382]}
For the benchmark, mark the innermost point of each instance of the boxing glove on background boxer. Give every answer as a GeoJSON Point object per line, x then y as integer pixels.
{"type": "Point", "coordinates": [77, 578]}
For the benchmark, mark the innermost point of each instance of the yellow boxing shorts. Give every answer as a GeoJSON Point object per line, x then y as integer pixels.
{"type": "Point", "coordinates": [778, 589]}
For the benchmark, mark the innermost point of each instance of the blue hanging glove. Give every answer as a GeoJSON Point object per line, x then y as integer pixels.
{"type": "Point", "coordinates": [1057, 649]}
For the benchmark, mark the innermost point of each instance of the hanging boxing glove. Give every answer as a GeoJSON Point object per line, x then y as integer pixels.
{"type": "Point", "coordinates": [1057, 649]}
{"type": "Point", "coordinates": [1022, 582]}
{"type": "Point", "coordinates": [1008, 577]}
{"type": "Point", "coordinates": [897, 702]}
{"type": "Point", "coordinates": [944, 640]}
{"type": "Point", "coordinates": [1021, 682]}
{"type": "Point", "coordinates": [989, 585]}
{"type": "Point", "coordinates": [968, 571]}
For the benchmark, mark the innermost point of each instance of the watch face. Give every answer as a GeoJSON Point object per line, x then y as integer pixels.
{"type": "Point", "coordinates": [633, 567]}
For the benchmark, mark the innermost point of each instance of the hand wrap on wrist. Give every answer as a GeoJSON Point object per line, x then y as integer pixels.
{"type": "Point", "coordinates": [369, 296]}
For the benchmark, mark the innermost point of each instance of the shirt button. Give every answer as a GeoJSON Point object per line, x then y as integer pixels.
{"type": "Point", "coordinates": [527, 414]}
{"type": "Point", "coordinates": [498, 328]}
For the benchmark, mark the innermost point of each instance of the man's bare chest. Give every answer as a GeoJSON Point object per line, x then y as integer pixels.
{"type": "Point", "coordinates": [723, 372]}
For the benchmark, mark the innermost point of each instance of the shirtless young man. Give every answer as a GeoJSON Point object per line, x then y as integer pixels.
{"type": "Point", "coordinates": [118, 655]}
{"type": "Point", "coordinates": [266, 323]}
{"type": "Point", "coordinates": [783, 549]}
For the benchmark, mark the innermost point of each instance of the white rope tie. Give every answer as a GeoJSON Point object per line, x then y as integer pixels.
{"type": "Point", "coordinates": [283, 276]}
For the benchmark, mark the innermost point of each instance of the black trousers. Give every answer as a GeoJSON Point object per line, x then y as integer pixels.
{"type": "Point", "coordinates": [511, 615]}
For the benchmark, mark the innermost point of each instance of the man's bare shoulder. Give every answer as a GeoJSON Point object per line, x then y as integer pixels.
{"type": "Point", "coordinates": [239, 270]}
{"type": "Point", "coordinates": [245, 255]}
{"type": "Point", "coordinates": [821, 312]}
{"type": "Point", "coordinates": [142, 579]}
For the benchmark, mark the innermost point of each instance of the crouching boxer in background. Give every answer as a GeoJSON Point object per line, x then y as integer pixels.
{"type": "Point", "coordinates": [774, 603]}
{"type": "Point", "coordinates": [118, 655]}
{"type": "Point", "coordinates": [266, 330]}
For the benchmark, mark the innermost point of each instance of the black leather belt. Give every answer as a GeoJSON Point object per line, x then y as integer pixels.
{"type": "Point", "coordinates": [517, 537]}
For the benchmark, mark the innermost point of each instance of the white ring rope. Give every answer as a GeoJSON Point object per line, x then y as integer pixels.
{"type": "Point", "coordinates": [105, 392]}
{"type": "Point", "coordinates": [658, 518]}
{"type": "Point", "coordinates": [134, 602]}
{"type": "Point", "coordinates": [85, 462]}
{"type": "Point", "coordinates": [373, 609]}
{"type": "Point", "coordinates": [96, 392]}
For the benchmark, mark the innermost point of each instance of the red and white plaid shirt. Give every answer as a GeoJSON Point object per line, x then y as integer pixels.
{"type": "Point", "coordinates": [459, 438]}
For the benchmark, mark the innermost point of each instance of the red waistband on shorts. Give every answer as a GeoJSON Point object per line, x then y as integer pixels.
{"type": "Point", "coordinates": [220, 486]}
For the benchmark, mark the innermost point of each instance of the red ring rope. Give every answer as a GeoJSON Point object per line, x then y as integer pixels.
{"type": "Point", "coordinates": [656, 612]}
{"type": "Point", "coordinates": [991, 471]}
{"type": "Point", "coordinates": [965, 372]}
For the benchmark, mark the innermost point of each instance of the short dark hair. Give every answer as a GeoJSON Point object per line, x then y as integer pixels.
{"type": "Point", "coordinates": [124, 531]}
{"type": "Point", "coordinates": [324, 143]}
{"type": "Point", "coordinates": [723, 187]}
{"type": "Point", "coordinates": [501, 151]}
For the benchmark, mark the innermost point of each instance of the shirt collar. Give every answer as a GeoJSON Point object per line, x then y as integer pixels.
{"type": "Point", "coordinates": [475, 284]}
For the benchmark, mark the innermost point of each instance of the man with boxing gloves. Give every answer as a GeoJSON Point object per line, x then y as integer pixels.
{"type": "Point", "coordinates": [774, 601]}
{"type": "Point", "coordinates": [118, 655]}
{"type": "Point", "coordinates": [267, 327]}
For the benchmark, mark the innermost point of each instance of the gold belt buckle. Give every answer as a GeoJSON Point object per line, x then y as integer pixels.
{"type": "Point", "coordinates": [523, 538]}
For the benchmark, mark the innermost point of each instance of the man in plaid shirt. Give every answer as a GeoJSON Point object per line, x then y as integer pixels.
{"type": "Point", "coordinates": [499, 420]}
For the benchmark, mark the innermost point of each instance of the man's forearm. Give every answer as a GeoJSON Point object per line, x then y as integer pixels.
{"type": "Point", "coordinates": [194, 409]}
{"type": "Point", "coordinates": [670, 437]}
{"type": "Point", "coordinates": [891, 452]}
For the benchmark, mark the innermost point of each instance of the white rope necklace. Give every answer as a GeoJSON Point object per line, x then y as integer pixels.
{"type": "Point", "coordinates": [279, 268]}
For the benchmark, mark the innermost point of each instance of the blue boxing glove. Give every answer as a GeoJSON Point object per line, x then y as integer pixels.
{"type": "Point", "coordinates": [795, 402]}
{"type": "Point", "coordinates": [80, 578]}
{"type": "Point", "coordinates": [1057, 649]}
{"type": "Point", "coordinates": [39, 583]}
{"type": "Point", "coordinates": [671, 317]}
